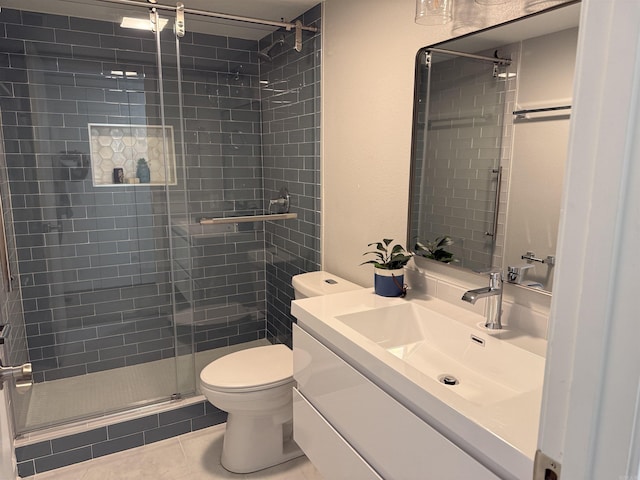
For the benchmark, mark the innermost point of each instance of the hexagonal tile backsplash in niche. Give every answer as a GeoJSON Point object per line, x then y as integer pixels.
{"type": "Point", "coordinates": [120, 146]}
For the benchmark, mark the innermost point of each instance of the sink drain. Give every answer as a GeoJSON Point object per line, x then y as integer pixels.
{"type": "Point", "coordinates": [448, 379]}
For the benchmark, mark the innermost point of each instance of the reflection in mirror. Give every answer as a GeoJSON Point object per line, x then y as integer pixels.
{"type": "Point", "coordinates": [471, 153]}
{"type": "Point", "coordinates": [458, 126]}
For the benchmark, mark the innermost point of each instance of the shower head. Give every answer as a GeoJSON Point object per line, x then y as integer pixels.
{"type": "Point", "coordinates": [264, 53]}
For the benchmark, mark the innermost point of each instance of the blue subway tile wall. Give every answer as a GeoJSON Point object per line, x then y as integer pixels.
{"type": "Point", "coordinates": [291, 143]}
{"type": "Point", "coordinates": [95, 261]}
{"type": "Point", "coordinates": [59, 452]}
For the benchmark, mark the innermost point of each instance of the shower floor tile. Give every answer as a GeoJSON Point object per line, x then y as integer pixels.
{"type": "Point", "coordinates": [193, 456]}
{"type": "Point", "coordinates": [95, 394]}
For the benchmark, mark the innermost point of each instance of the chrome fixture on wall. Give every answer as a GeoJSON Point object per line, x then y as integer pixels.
{"type": "Point", "coordinates": [265, 53]}
{"type": "Point", "coordinates": [531, 257]}
{"type": "Point", "coordinates": [281, 203]}
{"type": "Point", "coordinates": [516, 274]}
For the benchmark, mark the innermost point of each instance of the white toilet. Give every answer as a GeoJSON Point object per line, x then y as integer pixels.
{"type": "Point", "coordinates": [255, 387]}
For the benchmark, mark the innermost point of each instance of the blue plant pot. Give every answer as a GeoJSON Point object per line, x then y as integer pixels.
{"type": "Point", "coordinates": [388, 283]}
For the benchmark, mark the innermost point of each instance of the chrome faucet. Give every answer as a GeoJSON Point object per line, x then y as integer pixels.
{"type": "Point", "coordinates": [494, 308]}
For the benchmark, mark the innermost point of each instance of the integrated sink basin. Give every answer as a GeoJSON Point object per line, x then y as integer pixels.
{"type": "Point", "coordinates": [481, 389]}
{"type": "Point", "coordinates": [477, 367]}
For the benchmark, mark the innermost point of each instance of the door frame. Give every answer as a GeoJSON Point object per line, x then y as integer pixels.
{"type": "Point", "coordinates": [589, 420]}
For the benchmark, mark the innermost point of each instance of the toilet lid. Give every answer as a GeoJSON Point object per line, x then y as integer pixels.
{"type": "Point", "coordinates": [251, 369]}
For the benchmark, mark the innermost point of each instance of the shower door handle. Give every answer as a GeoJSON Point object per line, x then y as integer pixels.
{"type": "Point", "coordinates": [4, 252]}
{"type": "Point", "coordinates": [23, 375]}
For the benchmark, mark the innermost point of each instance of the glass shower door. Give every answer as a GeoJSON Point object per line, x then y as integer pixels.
{"type": "Point", "coordinates": [170, 83]}
{"type": "Point", "coordinates": [94, 170]}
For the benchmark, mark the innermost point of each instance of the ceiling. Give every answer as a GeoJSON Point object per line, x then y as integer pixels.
{"type": "Point", "coordinates": [275, 10]}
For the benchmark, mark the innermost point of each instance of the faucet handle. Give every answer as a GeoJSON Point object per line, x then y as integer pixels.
{"type": "Point", "coordinates": [515, 274]}
{"type": "Point", "coordinates": [495, 279]}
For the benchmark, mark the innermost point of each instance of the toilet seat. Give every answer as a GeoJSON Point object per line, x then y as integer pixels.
{"type": "Point", "coordinates": [250, 370]}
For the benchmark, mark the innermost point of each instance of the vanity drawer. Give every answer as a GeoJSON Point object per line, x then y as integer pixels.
{"type": "Point", "coordinates": [326, 449]}
{"type": "Point", "coordinates": [395, 442]}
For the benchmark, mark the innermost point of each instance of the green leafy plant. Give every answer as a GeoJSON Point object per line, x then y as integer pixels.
{"type": "Point", "coordinates": [435, 250]}
{"type": "Point", "coordinates": [388, 258]}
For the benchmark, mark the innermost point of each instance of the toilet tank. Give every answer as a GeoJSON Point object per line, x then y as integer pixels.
{"type": "Point", "coordinates": [314, 284]}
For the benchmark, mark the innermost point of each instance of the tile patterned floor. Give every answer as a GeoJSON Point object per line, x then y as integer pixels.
{"type": "Point", "coordinates": [193, 456]}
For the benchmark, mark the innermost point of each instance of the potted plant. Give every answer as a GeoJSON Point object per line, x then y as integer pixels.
{"type": "Point", "coordinates": [142, 171]}
{"type": "Point", "coordinates": [435, 250]}
{"type": "Point", "coordinates": [389, 264]}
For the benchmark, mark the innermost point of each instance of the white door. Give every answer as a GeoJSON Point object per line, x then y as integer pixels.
{"type": "Point", "coordinates": [590, 407]}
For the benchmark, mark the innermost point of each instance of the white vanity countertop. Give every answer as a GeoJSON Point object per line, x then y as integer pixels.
{"type": "Point", "coordinates": [501, 435]}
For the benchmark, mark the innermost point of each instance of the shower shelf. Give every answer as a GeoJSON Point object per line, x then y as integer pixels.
{"type": "Point", "coordinates": [121, 145]}
{"type": "Point", "coordinates": [248, 218]}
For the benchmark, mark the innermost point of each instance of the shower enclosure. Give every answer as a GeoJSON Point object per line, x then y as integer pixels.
{"type": "Point", "coordinates": [118, 142]}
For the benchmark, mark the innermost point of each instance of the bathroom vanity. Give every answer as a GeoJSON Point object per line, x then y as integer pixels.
{"type": "Point", "coordinates": [412, 389]}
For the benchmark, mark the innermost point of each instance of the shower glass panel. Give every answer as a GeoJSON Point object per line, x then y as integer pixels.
{"type": "Point", "coordinates": [170, 86]}
{"type": "Point", "coordinates": [459, 113]}
{"type": "Point", "coordinates": [224, 176]}
{"type": "Point", "coordinates": [96, 179]}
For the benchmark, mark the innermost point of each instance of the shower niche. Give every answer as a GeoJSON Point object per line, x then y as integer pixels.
{"type": "Point", "coordinates": [121, 146]}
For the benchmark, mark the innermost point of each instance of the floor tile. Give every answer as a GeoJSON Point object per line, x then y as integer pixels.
{"type": "Point", "coordinates": [192, 456]}
{"type": "Point", "coordinates": [291, 470]}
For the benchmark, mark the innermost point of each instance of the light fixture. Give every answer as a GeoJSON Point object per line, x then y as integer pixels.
{"type": "Point", "coordinates": [467, 17]}
{"type": "Point", "coordinates": [123, 74]}
{"type": "Point", "coordinates": [141, 23]}
{"type": "Point", "coordinates": [433, 12]}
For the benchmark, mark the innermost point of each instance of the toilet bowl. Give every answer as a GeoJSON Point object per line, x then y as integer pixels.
{"type": "Point", "coordinates": [254, 386]}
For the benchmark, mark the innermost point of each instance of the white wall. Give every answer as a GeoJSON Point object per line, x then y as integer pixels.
{"type": "Point", "coordinates": [368, 68]}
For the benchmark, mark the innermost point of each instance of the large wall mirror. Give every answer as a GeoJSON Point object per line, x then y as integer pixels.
{"type": "Point", "coordinates": [490, 136]}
